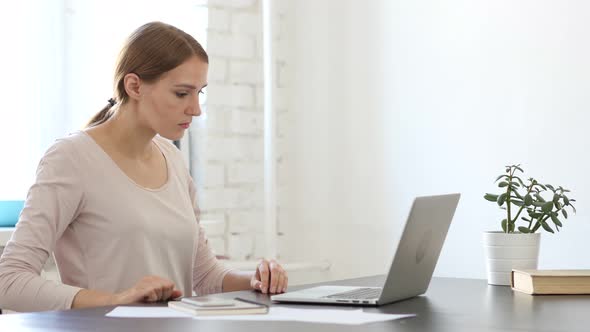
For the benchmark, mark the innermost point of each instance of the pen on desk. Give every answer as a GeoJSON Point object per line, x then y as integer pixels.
{"type": "Point", "coordinates": [251, 302]}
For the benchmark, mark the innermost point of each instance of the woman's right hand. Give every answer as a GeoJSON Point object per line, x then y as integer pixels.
{"type": "Point", "coordinates": [148, 289]}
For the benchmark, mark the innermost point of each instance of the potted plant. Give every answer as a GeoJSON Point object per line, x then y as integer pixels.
{"type": "Point", "coordinates": [530, 206]}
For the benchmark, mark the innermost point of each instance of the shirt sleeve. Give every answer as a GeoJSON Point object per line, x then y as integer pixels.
{"type": "Point", "coordinates": [208, 271]}
{"type": "Point", "coordinates": [52, 203]}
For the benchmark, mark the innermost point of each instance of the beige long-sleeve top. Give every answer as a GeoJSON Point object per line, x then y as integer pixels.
{"type": "Point", "coordinates": [105, 231]}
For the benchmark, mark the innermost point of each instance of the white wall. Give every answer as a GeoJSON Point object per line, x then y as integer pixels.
{"type": "Point", "coordinates": [228, 147]}
{"type": "Point", "coordinates": [394, 99]}
{"type": "Point", "coordinates": [31, 91]}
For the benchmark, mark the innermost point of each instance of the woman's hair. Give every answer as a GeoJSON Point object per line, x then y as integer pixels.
{"type": "Point", "coordinates": [150, 51]}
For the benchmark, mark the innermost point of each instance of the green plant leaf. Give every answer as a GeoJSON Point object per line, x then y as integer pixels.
{"type": "Point", "coordinates": [555, 198]}
{"type": "Point", "coordinates": [566, 200]}
{"type": "Point", "coordinates": [502, 184]}
{"type": "Point", "coordinates": [491, 197]}
{"type": "Point", "coordinates": [519, 180]}
{"type": "Point", "coordinates": [515, 184]}
{"type": "Point", "coordinates": [542, 186]}
{"type": "Point", "coordinates": [535, 215]}
{"type": "Point", "coordinates": [518, 168]}
{"type": "Point", "coordinates": [539, 204]}
{"type": "Point", "coordinates": [557, 205]}
{"type": "Point", "coordinates": [536, 227]}
{"type": "Point", "coordinates": [517, 202]}
{"type": "Point", "coordinates": [556, 221]}
{"type": "Point", "coordinates": [501, 199]}
{"type": "Point", "coordinates": [539, 198]}
{"type": "Point", "coordinates": [550, 187]}
{"type": "Point", "coordinates": [501, 176]}
{"type": "Point", "coordinates": [504, 222]}
{"type": "Point", "coordinates": [547, 207]}
{"type": "Point", "coordinates": [525, 219]}
{"type": "Point", "coordinates": [546, 227]}
{"type": "Point", "coordinates": [517, 194]}
{"type": "Point", "coordinates": [528, 200]}
{"type": "Point", "coordinates": [564, 213]}
{"type": "Point", "coordinates": [523, 229]}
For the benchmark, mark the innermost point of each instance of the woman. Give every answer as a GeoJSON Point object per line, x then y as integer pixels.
{"type": "Point", "coordinates": [115, 202]}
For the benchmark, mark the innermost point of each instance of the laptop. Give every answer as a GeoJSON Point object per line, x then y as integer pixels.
{"type": "Point", "coordinates": [413, 263]}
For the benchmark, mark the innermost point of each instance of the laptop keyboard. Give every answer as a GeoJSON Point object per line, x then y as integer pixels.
{"type": "Point", "coordinates": [357, 294]}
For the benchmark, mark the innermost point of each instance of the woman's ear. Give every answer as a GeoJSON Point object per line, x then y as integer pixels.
{"type": "Point", "coordinates": [132, 84]}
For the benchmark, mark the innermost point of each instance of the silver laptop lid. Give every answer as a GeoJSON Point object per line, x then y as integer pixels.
{"type": "Point", "coordinates": [419, 247]}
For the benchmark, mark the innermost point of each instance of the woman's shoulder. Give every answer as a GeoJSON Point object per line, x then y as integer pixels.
{"type": "Point", "coordinates": [68, 145]}
{"type": "Point", "coordinates": [71, 148]}
{"type": "Point", "coordinates": [65, 153]}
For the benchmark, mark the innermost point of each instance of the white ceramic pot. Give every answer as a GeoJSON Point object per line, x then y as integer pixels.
{"type": "Point", "coordinates": [507, 251]}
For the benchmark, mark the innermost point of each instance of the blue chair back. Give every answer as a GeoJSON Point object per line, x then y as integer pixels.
{"type": "Point", "coordinates": [9, 212]}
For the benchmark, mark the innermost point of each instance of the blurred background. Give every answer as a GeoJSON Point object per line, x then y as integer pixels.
{"type": "Point", "coordinates": [325, 118]}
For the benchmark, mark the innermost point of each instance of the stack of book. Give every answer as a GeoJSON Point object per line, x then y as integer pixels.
{"type": "Point", "coordinates": [207, 306]}
{"type": "Point", "coordinates": [551, 281]}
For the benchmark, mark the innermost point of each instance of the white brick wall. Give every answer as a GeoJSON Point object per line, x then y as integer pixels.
{"type": "Point", "coordinates": [217, 70]}
{"type": "Point", "coordinates": [247, 72]}
{"type": "Point", "coordinates": [246, 172]}
{"type": "Point", "coordinates": [213, 175]}
{"type": "Point", "coordinates": [219, 19]}
{"type": "Point", "coordinates": [248, 4]}
{"type": "Point", "coordinates": [234, 148]}
{"type": "Point", "coordinates": [247, 122]}
{"type": "Point", "coordinates": [217, 120]}
{"type": "Point", "coordinates": [230, 45]}
{"type": "Point", "coordinates": [229, 146]}
{"type": "Point", "coordinates": [247, 23]}
{"type": "Point", "coordinates": [230, 95]}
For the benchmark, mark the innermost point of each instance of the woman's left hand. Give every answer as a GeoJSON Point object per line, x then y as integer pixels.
{"type": "Point", "coordinates": [270, 277]}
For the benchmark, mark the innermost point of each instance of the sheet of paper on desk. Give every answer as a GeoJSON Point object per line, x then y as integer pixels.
{"type": "Point", "coordinates": [327, 316]}
{"type": "Point", "coordinates": [146, 312]}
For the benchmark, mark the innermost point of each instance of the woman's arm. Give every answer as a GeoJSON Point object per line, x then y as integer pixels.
{"type": "Point", "coordinates": [237, 280]}
{"type": "Point", "coordinates": [148, 289]}
{"type": "Point", "coordinates": [87, 298]}
{"type": "Point", "coordinates": [270, 277]}
{"type": "Point", "coordinates": [52, 203]}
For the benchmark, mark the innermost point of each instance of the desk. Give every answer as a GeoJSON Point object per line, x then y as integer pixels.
{"type": "Point", "coordinates": [449, 305]}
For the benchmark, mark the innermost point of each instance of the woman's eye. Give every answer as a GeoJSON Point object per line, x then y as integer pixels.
{"type": "Point", "coordinates": [181, 94]}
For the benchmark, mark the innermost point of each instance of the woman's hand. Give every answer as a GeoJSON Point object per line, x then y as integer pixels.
{"type": "Point", "coordinates": [148, 289]}
{"type": "Point", "coordinates": [270, 277]}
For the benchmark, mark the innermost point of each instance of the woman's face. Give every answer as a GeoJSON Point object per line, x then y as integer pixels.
{"type": "Point", "coordinates": [169, 104]}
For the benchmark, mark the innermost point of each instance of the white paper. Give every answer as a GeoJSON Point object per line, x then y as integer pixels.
{"type": "Point", "coordinates": [326, 316]}
{"type": "Point", "coordinates": [146, 312]}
